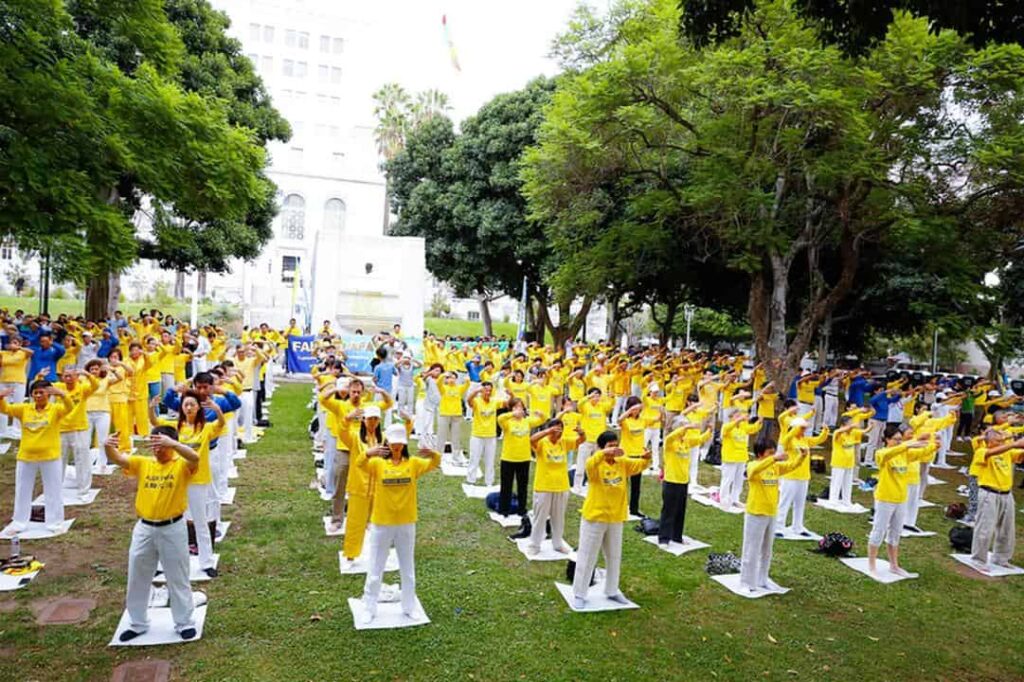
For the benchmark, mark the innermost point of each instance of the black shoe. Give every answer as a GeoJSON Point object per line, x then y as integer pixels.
{"type": "Point", "coordinates": [210, 572]}
{"type": "Point", "coordinates": [806, 533]}
{"type": "Point", "coordinates": [128, 635]}
{"type": "Point", "coordinates": [193, 550]}
{"type": "Point", "coordinates": [188, 633]}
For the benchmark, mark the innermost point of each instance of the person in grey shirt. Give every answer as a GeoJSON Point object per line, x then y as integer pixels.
{"type": "Point", "coordinates": [428, 417]}
{"type": "Point", "coordinates": [405, 386]}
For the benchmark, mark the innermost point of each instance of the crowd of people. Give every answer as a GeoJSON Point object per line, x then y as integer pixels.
{"type": "Point", "coordinates": [168, 404]}
{"type": "Point", "coordinates": [592, 419]}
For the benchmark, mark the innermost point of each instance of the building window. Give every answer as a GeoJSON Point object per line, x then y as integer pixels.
{"type": "Point", "coordinates": [7, 251]}
{"type": "Point", "coordinates": [293, 217]}
{"type": "Point", "coordinates": [334, 214]}
{"type": "Point", "coordinates": [339, 44]}
{"type": "Point", "coordinates": [290, 38]}
{"type": "Point", "coordinates": [473, 315]}
{"type": "Point", "coordinates": [303, 40]}
{"type": "Point", "coordinates": [254, 32]}
{"type": "Point", "coordinates": [289, 266]}
{"type": "Point", "coordinates": [300, 69]}
{"type": "Point", "coordinates": [267, 65]}
{"type": "Point", "coordinates": [296, 155]}
{"type": "Point", "coordinates": [335, 75]}
{"type": "Point", "coordinates": [254, 59]}
{"type": "Point", "coordinates": [322, 73]}
{"type": "Point", "coordinates": [268, 34]}
{"type": "Point", "coordinates": [325, 43]}
{"type": "Point", "coordinates": [288, 67]}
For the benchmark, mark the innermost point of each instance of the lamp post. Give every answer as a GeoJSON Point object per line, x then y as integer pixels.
{"type": "Point", "coordinates": [688, 311]}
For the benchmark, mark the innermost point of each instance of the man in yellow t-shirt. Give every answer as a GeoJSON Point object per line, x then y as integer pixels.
{"type": "Point", "coordinates": [483, 438]}
{"type": "Point", "coordinates": [13, 375]}
{"type": "Point", "coordinates": [160, 535]}
{"type": "Point", "coordinates": [994, 525]}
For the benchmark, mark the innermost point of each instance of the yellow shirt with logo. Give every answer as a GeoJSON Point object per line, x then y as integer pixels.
{"type": "Point", "coordinates": [892, 474]}
{"type": "Point", "coordinates": [792, 444]}
{"type": "Point", "coordinates": [678, 447]}
{"type": "Point", "coordinates": [451, 399]}
{"type": "Point", "coordinates": [763, 483]}
{"type": "Point", "coordinates": [15, 366]}
{"type": "Point", "coordinates": [76, 420]}
{"type": "Point", "coordinates": [40, 429]}
{"type": "Point", "coordinates": [485, 413]}
{"type": "Point", "coordinates": [632, 436]}
{"type": "Point", "coordinates": [394, 487]}
{"type": "Point", "coordinates": [541, 396]}
{"type": "Point", "coordinates": [736, 440]}
{"type": "Point", "coordinates": [594, 417]}
{"type": "Point", "coordinates": [552, 474]}
{"type": "Point", "coordinates": [198, 440]}
{"type": "Point", "coordinates": [996, 472]}
{"type": "Point", "coordinates": [516, 436]}
{"type": "Point", "coordinates": [608, 491]}
{"type": "Point", "coordinates": [162, 492]}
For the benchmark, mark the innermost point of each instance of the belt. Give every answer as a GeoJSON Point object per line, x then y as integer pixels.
{"type": "Point", "coordinates": [993, 490]}
{"type": "Point", "coordinates": [158, 524]}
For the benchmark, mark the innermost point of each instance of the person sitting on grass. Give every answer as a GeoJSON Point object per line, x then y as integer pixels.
{"type": "Point", "coordinates": [160, 536]}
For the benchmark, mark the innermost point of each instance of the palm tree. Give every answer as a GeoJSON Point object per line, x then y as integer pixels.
{"type": "Point", "coordinates": [391, 109]}
{"type": "Point", "coordinates": [429, 103]}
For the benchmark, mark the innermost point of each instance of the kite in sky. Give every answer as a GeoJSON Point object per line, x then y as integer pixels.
{"type": "Point", "coordinates": [451, 44]}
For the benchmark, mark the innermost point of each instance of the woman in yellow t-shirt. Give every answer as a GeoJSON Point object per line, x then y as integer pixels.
{"type": "Point", "coordinates": [97, 405]}
{"type": "Point", "coordinates": [119, 397]}
{"type": "Point", "coordinates": [551, 484]}
{"type": "Point", "coordinates": [516, 426]}
{"type": "Point", "coordinates": [13, 375]}
{"type": "Point", "coordinates": [393, 522]}
{"type": "Point", "coordinates": [449, 416]}
{"type": "Point", "coordinates": [631, 427]}
{"type": "Point", "coordinates": [890, 496]}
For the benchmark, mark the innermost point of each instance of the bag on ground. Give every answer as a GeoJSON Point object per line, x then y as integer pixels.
{"type": "Point", "coordinates": [722, 563]}
{"type": "Point", "coordinates": [961, 538]}
{"type": "Point", "coordinates": [491, 502]}
{"type": "Point", "coordinates": [835, 544]}
{"type": "Point", "coordinates": [647, 526]}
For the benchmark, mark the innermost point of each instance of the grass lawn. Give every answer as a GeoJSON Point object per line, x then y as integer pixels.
{"type": "Point", "coordinates": [279, 612]}
{"type": "Point", "coordinates": [76, 307]}
{"type": "Point", "coordinates": [443, 326]}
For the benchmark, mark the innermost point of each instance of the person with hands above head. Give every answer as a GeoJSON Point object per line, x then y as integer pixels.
{"type": "Point", "coordinates": [484, 434]}
{"type": "Point", "coordinates": [994, 525]}
{"type": "Point", "coordinates": [604, 513]}
{"type": "Point", "coordinates": [796, 481]}
{"type": "Point", "coordinates": [74, 428]}
{"type": "Point", "coordinates": [551, 484]}
{"type": "Point", "coordinates": [14, 361]}
{"type": "Point", "coordinates": [680, 446]}
{"type": "Point", "coordinates": [393, 521]}
{"type": "Point", "coordinates": [516, 426]}
{"type": "Point", "coordinates": [736, 433]}
{"type": "Point", "coordinates": [631, 428]}
{"type": "Point", "coordinates": [39, 451]}
{"type": "Point", "coordinates": [759, 522]}
{"type": "Point", "coordinates": [159, 536]}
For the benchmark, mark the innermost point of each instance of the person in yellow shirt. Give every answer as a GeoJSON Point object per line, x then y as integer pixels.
{"type": "Point", "coordinates": [844, 459]}
{"type": "Point", "coordinates": [594, 410]}
{"type": "Point", "coordinates": [736, 433]}
{"type": "Point", "coordinates": [393, 522]}
{"type": "Point", "coordinates": [516, 426]}
{"type": "Point", "coordinates": [653, 414]}
{"type": "Point", "coordinates": [119, 396]}
{"type": "Point", "coordinates": [449, 418]}
{"type": "Point", "coordinates": [759, 528]}
{"type": "Point", "coordinates": [890, 501]}
{"type": "Point", "coordinates": [140, 363]}
{"type": "Point", "coordinates": [542, 395]}
{"type": "Point", "coordinates": [675, 475]}
{"type": "Point", "coordinates": [359, 435]}
{"type": "Point", "coordinates": [994, 532]}
{"type": "Point", "coordinates": [551, 482]}
{"type": "Point", "coordinates": [484, 436]}
{"type": "Point", "coordinates": [604, 512]}
{"type": "Point", "coordinates": [13, 375]}
{"type": "Point", "coordinates": [631, 428]}
{"type": "Point", "coordinates": [795, 482]}
{"type": "Point", "coordinates": [159, 536]}
{"type": "Point", "coordinates": [74, 428]}
{"type": "Point", "coordinates": [97, 406]}
{"type": "Point", "coordinates": [38, 451]}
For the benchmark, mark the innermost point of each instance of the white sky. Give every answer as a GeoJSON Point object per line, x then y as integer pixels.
{"type": "Point", "coordinates": [501, 45]}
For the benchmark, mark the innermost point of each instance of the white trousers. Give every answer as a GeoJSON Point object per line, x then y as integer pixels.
{"type": "Point", "coordinates": [481, 449]}
{"type": "Point", "coordinates": [167, 545]}
{"type": "Point", "coordinates": [99, 425]}
{"type": "Point", "coordinates": [792, 493]}
{"type": "Point", "coordinates": [840, 488]}
{"type": "Point", "coordinates": [925, 468]}
{"type": "Point", "coordinates": [248, 416]}
{"type": "Point", "coordinates": [201, 501]}
{"type": "Point", "coordinates": [731, 486]}
{"type": "Point", "coordinates": [330, 453]}
{"type": "Point", "coordinates": [819, 413]}
{"type": "Point", "coordinates": [595, 537]}
{"type": "Point", "coordinates": [756, 557]}
{"type": "Point", "coordinates": [652, 441]}
{"type": "Point", "coordinates": [945, 439]}
{"type": "Point", "coordinates": [220, 464]}
{"type": "Point", "coordinates": [74, 445]}
{"type": "Point", "coordinates": [803, 409]}
{"type": "Point", "coordinates": [549, 506]}
{"type": "Point", "coordinates": [584, 452]}
{"type": "Point", "coordinates": [403, 537]}
{"type": "Point", "coordinates": [875, 432]}
{"type": "Point", "coordinates": [407, 399]}
{"type": "Point", "coordinates": [830, 412]}
{"type": "Point", "coordinates": [321, 418]}
{"type": "Point", "coordinates": [24, 486]}
{"type": "Point", "coordinates": [994, 527]}
{"type": "Point", "coordinates": [449, 430]}
{"type": "Point", "coordinates": [911, 506]}
{"type": "Point", "coordinates": [10, 425]}
{"type": "Point", "coordinates": [428, 427]}
{"type": "Point", "coordinates": [694, 470]}
{"type": "Point", "coordinates": [620, 402]}
{"type": "Point", "coordinates": [887, 524]}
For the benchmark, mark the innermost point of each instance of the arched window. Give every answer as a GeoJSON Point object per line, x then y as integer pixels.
{"type": "Point", "coordinates": [334, 215]}
{"type": "Point", "coordinates": [293, 217]}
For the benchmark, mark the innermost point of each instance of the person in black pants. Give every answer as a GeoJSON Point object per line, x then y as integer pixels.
{"type": "Point", "coordinates": [516, 454]}
{"type": "Point", "coordinates": [685, 440]}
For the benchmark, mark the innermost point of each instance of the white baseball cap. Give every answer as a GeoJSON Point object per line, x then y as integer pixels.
{"type": "Point", "coordinates": [341, 384]}
{"type": "Point", "coordinates": [799, 421]}
{"type": "Point", "coordinates": [371, 411]}
{"type": "Point", "coordinates": [396, 434]}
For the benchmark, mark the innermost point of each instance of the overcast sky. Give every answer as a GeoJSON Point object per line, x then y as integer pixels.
{"type": "Point", "coordinates": [500, 45]}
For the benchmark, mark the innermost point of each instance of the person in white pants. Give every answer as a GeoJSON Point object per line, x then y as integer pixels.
{"type": "Point", "coordinates": [97, 407]}
{"type": "Point", "coordinates": [483, 439]}
{"type": "Point", "coordinates": [890, 501]}
{"type": "Point", "coordinates": [604, 512]}
{"type": "Point", "coordinates": [830, 403]}
{"type": "Point", "coordinates": [844, 458]}
{"type": "Point", "coordinates": [13, 375]}
{"type": "Point", "coordinates": [916, 457]}
{"type": "Point", "coordinates": [74, 429]}
{"type": "Point", "coordinates": [551, 485]}
{"type": "Point", "coordinates": [393, 519]}
{"type": "Point", "coordinates": [449, 420]}
{"type": "Point", "coordinates": [794, 483]}
{"type": "Point", "coordinates": [160, 535]}
{"type": "Point", "coordinates": [427, 427]}
{"type": "Point", "coordinates": [735, 434]}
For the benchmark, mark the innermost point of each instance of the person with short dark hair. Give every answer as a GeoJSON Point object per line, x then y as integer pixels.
{"type": "Point", "coordinates": [551, 483]}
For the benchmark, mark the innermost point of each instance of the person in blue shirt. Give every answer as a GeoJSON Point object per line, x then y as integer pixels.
{"type": "Point", "coordinates": [880, 401]}
{"type": "Point", "coordinates": [474, 368]}
{"type": "Point", "coordinates": [859, 385]}
{"type": "Point", "coordinates": [45, 354]}
{"type": "Point", "coordinates": [384, 376]}
{"type": "Point", "coordinates": [107, 344]}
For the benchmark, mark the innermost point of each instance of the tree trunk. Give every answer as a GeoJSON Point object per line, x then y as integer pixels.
{"type": "Point", "coordinates": [485, 316]}
{"type": "Point", "coordinates": [387, 205]}
{"type": "Point", "coordinates": [823, 341]}
{"type": "Point", "coordinates": [613, 318]}
{"type": "Point", "coordinates": [202, 284]}
{"type": "Point", "coordinates": [101, 294]}
{"type": "Point", "coordinates": [179, 284]}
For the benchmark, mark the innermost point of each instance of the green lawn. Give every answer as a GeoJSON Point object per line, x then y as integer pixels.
{"type": "Point", "coordinates": [76, 307]}
{"type": "Point", "coordinates": [442, 326]}
{"type": "Point", "coordinates": [279, 612]}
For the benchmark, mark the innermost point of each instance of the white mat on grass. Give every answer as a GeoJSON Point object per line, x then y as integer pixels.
{"type": "Point", "coordinates": [510, 521]}
{"type": "Point", "coordinates": [362, 562]}
{"type": "Point", "coordinates": [449, 469]}
{"type": "Point", "coordinates": [479, 492]}
{"type": "Point", "coordinates": [935, 481]}
{"type": "Point", "coordinates": [324, 495]}
{"type": "Point", "coordinates": [71, 498]}
{"type": "Point", "coordinates": [8, 583]}
{"type": "Point", "coordinates": [674, 548]}
{"type": "Point", "coordinates": [223, 528]}
{"type": "Point", "coordinates": [327, 523]}
{"type": "Point", "coordinates": [697, 489]}
{"type": "Point", "coordinates": [547, 551]}
{"type": "Point", "coordinates": [37, 530]}
{"type": "Point", "coordinates": [161, 627]}
{"type": "Point", "coordinates": [108, 470]}
{"type": "Point", "coordinates": [708, 502]}
{"type": "Point", "coordinates": [195, 574]}
{"type": "Point", "coordinates": [787, 533]}
{"type": "Point", "coordinates": [241, 454]}
{"type": "Point", "coordinates": [731, 582]}
{"type": "Point", "coordinates": [596, 600]}
{"type": "Point", "coordinates": [991, 570]}
{"type": "Point", "coordinates": [885, 576]}
{"type": "Point", "coordinates": [233, 473]}
{"type": "Point", "coordinates": [854, 508]}
{"type": "Point", "coordinates": [905, 533]}
{"type": "Point", "coordinates": [4, 447]}
{"type": "Point", "coordinates": [230, 497]}
{"type": "Point", "coordinates": [944, 466]}
{"type": "Point", "coordinates": [389, 616]}
{"type": "Point", "coordinates": [924, 504]}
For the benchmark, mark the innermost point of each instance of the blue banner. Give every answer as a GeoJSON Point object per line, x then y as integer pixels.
{"type": "Point", "coordinates": [299, 354]}
{"type": "Point", "coordinates": [359, 352]}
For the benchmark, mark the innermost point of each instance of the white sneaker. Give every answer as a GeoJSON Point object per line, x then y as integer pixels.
{"type": "Point", "coordinates": [367, 617]}
{"type": "Point", "coordinates": [579, 603]}
{"type": "Point", "coordinates": [618, 598]}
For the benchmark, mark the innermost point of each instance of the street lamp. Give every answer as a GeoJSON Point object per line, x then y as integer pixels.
{"type": "Point", "coordinates": [688, 311]}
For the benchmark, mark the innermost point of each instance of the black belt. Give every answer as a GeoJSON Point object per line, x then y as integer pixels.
{"type": "Point", "coordinates": [993, 490]}
{"type": "Point", "coordinates": [158, 524]}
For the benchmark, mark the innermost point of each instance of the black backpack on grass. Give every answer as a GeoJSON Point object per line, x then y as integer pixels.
{"type": "Point", "coordinates": [961, 538]}
{"type": "Point", "coordinates": [714, 456]}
